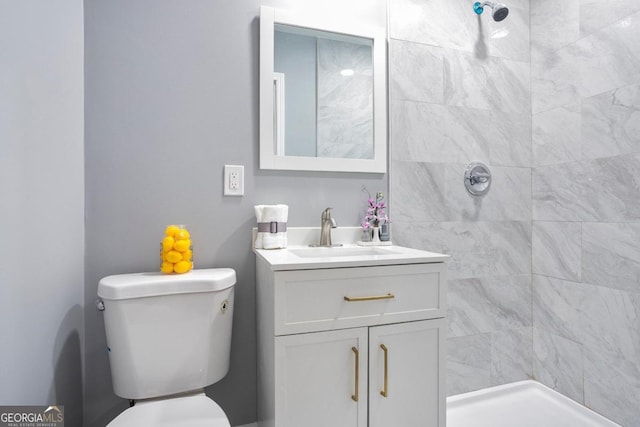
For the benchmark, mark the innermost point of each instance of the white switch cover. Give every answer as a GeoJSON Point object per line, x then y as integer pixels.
{"type": "Point", "coordinates": [233, 180]}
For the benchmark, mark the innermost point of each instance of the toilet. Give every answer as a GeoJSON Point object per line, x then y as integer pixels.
{"type": "Point", "coordinates": [168, 337]}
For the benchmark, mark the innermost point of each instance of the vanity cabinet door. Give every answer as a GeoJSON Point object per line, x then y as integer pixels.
{"type": "Point", "coordinates": [321, 379]}
{"type": "Point", "coordinates": [408, 388]}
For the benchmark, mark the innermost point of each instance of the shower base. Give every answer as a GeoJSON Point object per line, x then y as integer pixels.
{"type": "Point", "coordinates": [522, 404]}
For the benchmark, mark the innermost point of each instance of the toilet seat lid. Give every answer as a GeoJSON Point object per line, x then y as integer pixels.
{"type": "Point", "coordinates": [187, 411]}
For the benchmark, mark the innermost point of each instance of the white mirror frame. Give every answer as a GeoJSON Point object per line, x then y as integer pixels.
{"type": "Point", "coordinates": [268, 143]}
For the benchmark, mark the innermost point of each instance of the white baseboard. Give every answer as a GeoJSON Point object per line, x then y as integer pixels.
{"type": "Point", "coordinates": [249, 425]}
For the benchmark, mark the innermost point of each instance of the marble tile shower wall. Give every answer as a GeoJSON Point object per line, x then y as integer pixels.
{"type": "Point", "coordinates": [585, 62]}
{"type": "Point", "coordinates": [459, 92]}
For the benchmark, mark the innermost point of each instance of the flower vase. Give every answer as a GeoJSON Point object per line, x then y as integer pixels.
{"type": "Point", "coordinates": [376, 235]}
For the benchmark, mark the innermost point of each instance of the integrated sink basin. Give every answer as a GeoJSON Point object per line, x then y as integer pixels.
{"type": "Point", "coordinates": [330, 252]}
{"type": "Point", "coordinates": [300, 254]}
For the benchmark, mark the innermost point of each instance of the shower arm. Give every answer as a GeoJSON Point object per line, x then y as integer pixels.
{"type": "Point", "coordinates": [478, 7]}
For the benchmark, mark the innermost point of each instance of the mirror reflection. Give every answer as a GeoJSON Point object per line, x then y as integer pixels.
{"type": "Point", "coordinates": [323, 94]}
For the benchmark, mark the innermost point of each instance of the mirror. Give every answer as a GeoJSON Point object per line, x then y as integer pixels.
{"type": "Point", "coordinates": [324, 90]}
{"type": "Point", "coordinates": [322, 94]}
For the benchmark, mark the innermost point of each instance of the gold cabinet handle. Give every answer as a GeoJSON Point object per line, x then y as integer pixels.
{"type": "Point", "coordinates": [355, 395]}
{"type": "Point", "coordinates": [385, 390]}
{"type": "Point", "coordinates": [371, 298]}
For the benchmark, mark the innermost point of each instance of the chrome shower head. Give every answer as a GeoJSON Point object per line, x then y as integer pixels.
{"type": "Point", "coordinates": [500, 11]}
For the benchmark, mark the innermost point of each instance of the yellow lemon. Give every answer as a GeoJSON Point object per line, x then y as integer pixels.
{"type": "Point", "coordinates": [182, 267]}
{"type": "Point", "coordinates": [182, 245]}
{"type": "Point", "coordinates": [173, 256]}
{"type": "Point", "coordinates": [187, 255]}
{"type": "Point", "coordinates": [166, 267]}
{"type": "Point", "coordinates": [167, 243]}
{"type": "Point", "coordinates": [171, 230]}
{"type": "Point", "coordinates": [182, 234]}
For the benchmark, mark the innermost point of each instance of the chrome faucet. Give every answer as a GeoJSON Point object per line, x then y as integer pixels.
{"type": "Point", "coordinates": [325, 227]}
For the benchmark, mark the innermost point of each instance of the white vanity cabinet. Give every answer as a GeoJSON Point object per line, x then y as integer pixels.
{"type": "Point", "coordinates": [351, 346]}
{"type": "Point", "coordinates": [316, 382]}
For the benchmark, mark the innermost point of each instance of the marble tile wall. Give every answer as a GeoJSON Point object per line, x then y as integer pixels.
{"type": "Point", "coordinates": [585, 79]}
{"type": "Point", "coordinates": [460, 92]}
{"type": "Point", "coordinates": [545, 274]}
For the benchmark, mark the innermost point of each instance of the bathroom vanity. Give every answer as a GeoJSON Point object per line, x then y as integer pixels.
{"type": "Point", "coordinates": [351, 337]}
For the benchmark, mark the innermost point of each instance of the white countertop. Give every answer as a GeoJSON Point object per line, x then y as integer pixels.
{"type": "Point", "coordinates": [286, 259]}
{"type": "Point", "coordinates": [299, 256]}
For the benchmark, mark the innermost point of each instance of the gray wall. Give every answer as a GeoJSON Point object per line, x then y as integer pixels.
{"type": "Point", "coordinates": [586, 209]}
{"type": "Point", "coordinates": [172, 96]}
{"type": "Point", "coordinates": [41, 204]}
{"type": "Point", "coordinates": [457, 94]}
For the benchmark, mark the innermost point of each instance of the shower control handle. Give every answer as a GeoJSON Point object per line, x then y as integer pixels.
{"type": "Point", "coordinates": [477, 179]}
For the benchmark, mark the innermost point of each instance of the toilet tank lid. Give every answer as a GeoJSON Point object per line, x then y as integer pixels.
{"type": "Point", "coordinates": [140, 285]}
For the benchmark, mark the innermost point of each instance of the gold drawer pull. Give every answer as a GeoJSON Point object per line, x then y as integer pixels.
{"type": "Point", "coordinates": [385, 389]}
{"type": "Point", "coordinates": [355, 395]}
{"type": "Point", "coordinates": [372, 298]}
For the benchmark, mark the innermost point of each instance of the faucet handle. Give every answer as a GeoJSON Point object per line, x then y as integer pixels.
{"type": "Point", "coordinates": [326, 214]}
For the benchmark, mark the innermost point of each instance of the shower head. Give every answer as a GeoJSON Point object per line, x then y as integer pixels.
{"type": "Point", "coordinates": [500, 11]}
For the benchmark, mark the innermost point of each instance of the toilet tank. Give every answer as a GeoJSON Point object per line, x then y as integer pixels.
{"type": "Point", "coordinates": [167, 334]}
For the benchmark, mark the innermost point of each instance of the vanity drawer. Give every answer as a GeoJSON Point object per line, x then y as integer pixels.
{"type": "Point", "coordinates": [317, 300]}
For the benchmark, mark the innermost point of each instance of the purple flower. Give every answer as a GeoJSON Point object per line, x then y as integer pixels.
{"type": "Point", "coordinates": [375, 214]}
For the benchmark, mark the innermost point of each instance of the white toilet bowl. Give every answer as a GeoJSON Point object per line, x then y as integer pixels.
{"type": "Point", "coordinates": [186, 411]}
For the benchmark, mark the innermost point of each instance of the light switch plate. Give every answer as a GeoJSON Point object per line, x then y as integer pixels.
{"type": "Point", "coordinates": [233, 180]}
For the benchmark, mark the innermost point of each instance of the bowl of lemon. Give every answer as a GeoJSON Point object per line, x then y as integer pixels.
{"type": "Point", "coordinates": [176, 253]}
